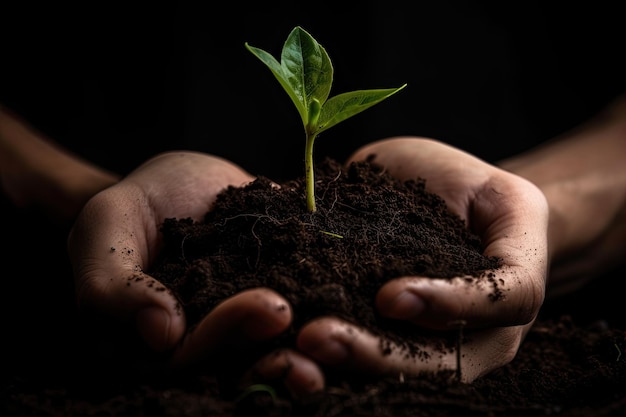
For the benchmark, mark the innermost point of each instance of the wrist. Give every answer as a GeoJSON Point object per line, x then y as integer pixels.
{"type": "Point", "coordinates": [582, 176]}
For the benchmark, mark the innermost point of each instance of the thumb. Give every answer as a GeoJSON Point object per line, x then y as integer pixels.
{"type": "Point", "coordinates": [108, 257]}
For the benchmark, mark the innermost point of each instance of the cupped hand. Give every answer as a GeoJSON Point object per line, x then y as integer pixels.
{"type": "Point", "coordinates": [511, 217]}
{"type": "Point", "coordinates": [116, 238]}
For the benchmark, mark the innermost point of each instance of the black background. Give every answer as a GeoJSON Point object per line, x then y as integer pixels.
{"type": "Point", "coordinates": [119, 84]}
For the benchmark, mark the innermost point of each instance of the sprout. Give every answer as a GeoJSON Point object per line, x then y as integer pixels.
{"type": "Point", "coordinates": [306, 74]}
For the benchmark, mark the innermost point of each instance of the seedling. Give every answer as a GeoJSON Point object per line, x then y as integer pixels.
{"type": "Point", "coordinates": [306, 74]}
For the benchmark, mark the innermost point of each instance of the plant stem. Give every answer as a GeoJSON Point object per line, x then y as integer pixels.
{"type": "Point", "coordinates": [309, 173]}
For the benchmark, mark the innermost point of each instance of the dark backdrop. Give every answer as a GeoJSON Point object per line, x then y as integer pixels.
{"type": "Point", "coordinates": [120, 84]}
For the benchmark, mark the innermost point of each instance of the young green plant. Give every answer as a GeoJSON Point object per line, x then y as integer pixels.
{"type": "Point", "coordinates": [306, 74]}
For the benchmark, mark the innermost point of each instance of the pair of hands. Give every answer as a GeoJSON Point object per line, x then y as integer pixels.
{"type": "Point", "coordinates": [116, 237]}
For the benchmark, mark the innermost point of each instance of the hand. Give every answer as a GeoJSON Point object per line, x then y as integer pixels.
{"type": "Point", "coordinates": [115, 239]}
{"type": "Point", "coordinates": [511, 217]}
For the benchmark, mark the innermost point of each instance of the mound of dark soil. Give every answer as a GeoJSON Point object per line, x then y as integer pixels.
{"type": "Point", "coordinates": [368, 228]}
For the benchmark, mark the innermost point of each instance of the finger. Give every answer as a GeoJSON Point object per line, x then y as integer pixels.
{"type": "Point", "coordinates": [109, 249]}
{"type": "Point", "coordinates": [347, 347]}
{"type": "Point", "coordinates": [250, 316]}
{"type": "Point", "coordinates": [501, 298]}
{"type": "Point", "coordinates": [298, 373]}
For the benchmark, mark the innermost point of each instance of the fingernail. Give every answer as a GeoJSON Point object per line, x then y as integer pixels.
{"type": "Point", "coordinates": [406, 305]}
{"type": "Point", "coordinates": [153, 324]}
{"type": "Point", "coordinates": [330, 352]}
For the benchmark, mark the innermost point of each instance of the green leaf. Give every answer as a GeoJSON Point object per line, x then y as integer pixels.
{"type": "Point", "coordinates": [305, 70]}
{"type": "Point", "coordinates": [278, 72]}
{"type": "Point", "coordinates": [343, 106]}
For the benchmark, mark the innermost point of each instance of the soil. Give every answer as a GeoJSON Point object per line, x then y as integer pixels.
{"type": "Point", "coordinates": [368, 227]}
